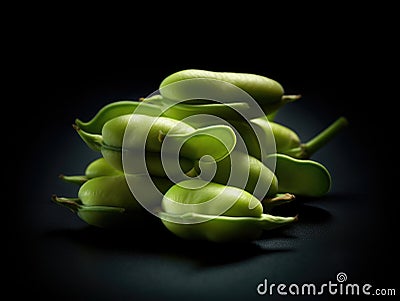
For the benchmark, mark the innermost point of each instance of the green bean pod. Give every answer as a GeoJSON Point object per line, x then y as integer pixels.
{"type": "Point", "coordinates": [260, 128]}
{"type": "Point", "coordinates": [112, 154]}
{"type": "Point", "coordinates": [157, 105]}
{"type": "Point", "coordinates": [115, 109]}
{"type": "Point", "coordinates": [286, 140]}
{"type": "Point", "coordinates": [107, 202]}
{"type": "Point", "coordinates": [255, 133]}
{"type": "Point", "coordinates": [300, 176]}
{"type": "Point", "coordinates": [139, 128]}
{"type": "Point", "coordinates": [243, 171]}
{"type": "Point", "coordinates": [97, 168]}
{"type": "Point", "coordinates": [290, 144]}
{"type": "Point", "coordinates": [216, 141]}
{"type": "Point", "coordinates": [200, 213]}
{"type": "Point", "coordinates": [154, 164]}
{"type": "Point", "coordinates": [266, 91]}
{"type": "Point", "coordinates": [224, 229]}
{"type": "Point", "coordinates": [182, 110]}
{"type": "Point", "coordinates": [230, 111]}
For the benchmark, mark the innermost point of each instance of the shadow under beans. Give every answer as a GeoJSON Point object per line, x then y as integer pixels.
{"type": "Point", "coordinates": [160, 242]}
{"type": "Point", "coordinates": [155, 239]}
{"type": "Point", "coordinates": [307, 213]}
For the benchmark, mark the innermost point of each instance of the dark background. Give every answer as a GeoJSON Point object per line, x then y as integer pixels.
{"type": "Point", "coordinates": [67, 74]}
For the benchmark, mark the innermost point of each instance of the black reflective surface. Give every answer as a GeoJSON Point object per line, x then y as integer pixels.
{"type": "Point", "coordinates": [52, 254]}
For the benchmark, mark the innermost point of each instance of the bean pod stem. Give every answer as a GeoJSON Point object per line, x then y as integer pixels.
{"type": "Point", "coordinates": [310, 147]}
{"type": "Point", "coordinates": [75, 205]}
{"type": "Point", "coordinates": [279, 199]}
{"type": "Point", "coordinates": [78, 179]}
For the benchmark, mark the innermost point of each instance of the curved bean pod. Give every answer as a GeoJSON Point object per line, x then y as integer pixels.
{"type": "Point", "coordinates": [300, 177]}
{"type": "Point", "coordinates": [243, 221]}
{"type": "Point", "coordinates": [300, 150]}
{"type": "Point", "coordinates": [245, 172]}
{"type": "Point", "coordinates": [154, 164]}
{"type": "Point", "coordinates": [115, 109]}
{"type": "Point", "coordinates": [224, 229]}
{"type": "Point", "coordinates": [266, 91]}
{"type": "Point", "coordinates": [108, 202]}
{"type": "Point", "coordinates": [230, 111]}
{"type": "Point", "coordinates": [217, 141]}
{"type": "Point", "coordinates": [210, 198]}
{"type": "Point", "coordinates": [97, 168]}
{"type": "Point", "coordinates": [287, 141]}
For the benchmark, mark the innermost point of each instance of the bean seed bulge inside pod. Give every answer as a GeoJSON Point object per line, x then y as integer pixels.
{"type": "Point", "coordinates": [199, 210]}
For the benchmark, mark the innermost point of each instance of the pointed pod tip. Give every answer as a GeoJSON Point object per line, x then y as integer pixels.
{"type": "Point", "coordinates": [288, 196]}
{"type": "Point", "coordinates": [56, 199]}
{"type": "Point", "coordinates": [291, 98]}
{"type": "Point", "coordinates": [70, 203]}
{"type": "Point", "coordinates": [75, 127]}
{"type": "Point", "coordinates": [343, 120]}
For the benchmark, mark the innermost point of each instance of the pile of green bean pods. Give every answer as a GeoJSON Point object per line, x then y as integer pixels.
{"type": "Point", "coordinates": [202, 155]}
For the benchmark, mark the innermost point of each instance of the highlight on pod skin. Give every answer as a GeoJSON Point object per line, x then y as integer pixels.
{"type": "Point", "coordinates": [211, 141]}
